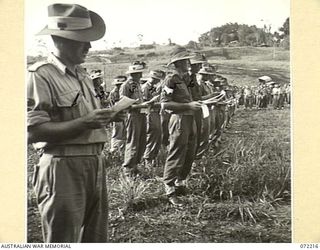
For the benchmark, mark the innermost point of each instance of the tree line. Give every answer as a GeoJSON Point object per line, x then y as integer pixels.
{"type": "Point", "coordinates": [245, 35]}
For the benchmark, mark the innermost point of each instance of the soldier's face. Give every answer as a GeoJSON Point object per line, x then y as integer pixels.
{"type": "Point", "coordinates": [136, 76]}
{"type": "Point", "coordinates": [195, 67]}
{"type": "Point", "coordinates": [154, 81]}
{"type": "Point", "coordinates": [74, 51]}
{"type": "Point", "coordinates": [183, 65]}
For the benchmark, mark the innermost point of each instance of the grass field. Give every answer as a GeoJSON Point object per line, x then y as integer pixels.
{"type": "Point", "coordinates": [238, 193]}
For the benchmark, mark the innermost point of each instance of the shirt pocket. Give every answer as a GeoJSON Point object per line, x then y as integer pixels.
{"type": "Point", "coordinates": [182, 93]}
{"type": "Point", "coordinates": [70, 105]}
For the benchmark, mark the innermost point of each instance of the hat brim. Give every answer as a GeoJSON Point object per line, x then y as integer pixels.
{"type": "Point", "coordinates": [197, 62]}
{"type": "Point", "coordinates": [206, 73]}
{"type": "Point", "coordinates": [116, 83]}
{"type": "Point", "coordinates": [134, 71]}
{"type": "Point", "coordinates": [179, 59]}
{"type": "Point", "coordinates": [94, 33]}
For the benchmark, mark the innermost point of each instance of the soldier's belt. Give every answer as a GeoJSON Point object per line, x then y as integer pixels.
{"type": "Point", "coordinates": [154, 109]}
{"type": "Point", "coordinates": [75, 150]}
{"type": "Point", "coordinates": [187, 112]}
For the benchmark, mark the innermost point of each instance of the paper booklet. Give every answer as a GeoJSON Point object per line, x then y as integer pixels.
{"type": "Point", "coordinates": [205, 111]}
{"type": "Point", "coordinates": [123, 103]}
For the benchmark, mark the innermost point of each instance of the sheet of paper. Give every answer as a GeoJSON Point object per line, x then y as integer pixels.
{"type": "Point", "coordinates": [205, 111]}
{"type": "Point", "coordinates": [123, 103]}
{"type": "Point", "coordinates": [213, 99]}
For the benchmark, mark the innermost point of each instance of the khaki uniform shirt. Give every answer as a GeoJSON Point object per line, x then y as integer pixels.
{"type": "Point", "coordinates": [55, 94]}
{"type": "Point", "coordinates": [205, 88]}
{"type": "Point", "coordinates": [132, 90]}
{"type": "Point", "coordinates": [148, 91]}
{"type": "Point", "coordinates": [114, 96]}
{"type": "Point", "coordinates": [195, 88]}
{"type": "Point", "coordinates": [175, 89]}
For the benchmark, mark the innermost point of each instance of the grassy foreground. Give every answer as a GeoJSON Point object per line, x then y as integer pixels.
{"type": "Point", "coordinates": [240, 193]}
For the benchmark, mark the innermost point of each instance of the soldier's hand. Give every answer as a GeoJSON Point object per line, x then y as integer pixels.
{"type": "Point", "coordinates": [98, 118]}
{"type": "Point", "coordinates": [121, 116]}
{"type": "Point", "coordinates": [194, 105]}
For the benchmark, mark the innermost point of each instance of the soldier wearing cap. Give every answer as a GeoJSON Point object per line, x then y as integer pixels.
{"type": "Point", "coordinates": [99, 86]}
{"type": "Point", "coordinates": [206, 92]}
{"type": "Point", "coordinates": [164, 115]}
{"type": "Point", "coordinates": [276, 92]}
{"type": "Point", "coordinates": [222, 107]}
{"type": "Point", "coordinates": [64, 115]}
{"type": "Point", "coordinates": [196, 63]}
{"type": "Point", "coordinates": [136, 121]}
{"type": "Point", "coordinates": [176, 98]}
{"type": "Point", "coordinates": [118, 136]}
{"type": "Point", "coordinates": [215, 125]}
{"type": "Point", "coordinates": [247, 97]}
{"type": "Point", "coordinates": [153, 141]}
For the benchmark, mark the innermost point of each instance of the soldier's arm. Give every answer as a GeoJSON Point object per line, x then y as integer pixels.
{"type": "Point", "coordinates": [145, 92]}
{"type": "Point", "coordinates": [177, 106]}
{"type": "Point", "coordinates": [58, 131]}
{"type": "Point", "coordinates": [167, 102]}
{"type": "Point", "coordinates": [40, 127]}
{"type": "Point", "coordinates": [205, 97]}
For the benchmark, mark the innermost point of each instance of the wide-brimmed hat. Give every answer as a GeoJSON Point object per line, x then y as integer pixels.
{"type": "Point", "coordinates": [198, 58]}
{"type": "Point", "coordinates": [270, 83]}
{"type": "Point", "coordinates": [217, 81]}
{"type": "Point", "coordinates": [74, 22]}
{"type": "Point", "coordinates": [156, 74]}
{"type": "Point", "coordinates": [224, 81]}
{"type": "Point", "coordinates": [96, 74]}
{"type": "Point", "coordinates": [119, 80]}
{"type": "Point", "coordinates": [179, 53]}
{"type": "Point", "coordinates": [207, 71]}
{"type": "Point", "coordinates": [136, 67]}
{"type": "Point", "coordinates": [265, 79]}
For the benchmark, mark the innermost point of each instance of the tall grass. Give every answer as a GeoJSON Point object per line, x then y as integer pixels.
{"type": "Point", "coordinates": [255, 170]}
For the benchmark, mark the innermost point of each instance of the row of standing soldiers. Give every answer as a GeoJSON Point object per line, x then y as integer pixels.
{"type": "Point", "coordinates": [183, 110]}
{"type": "Point", "coordinates": [263, 95]}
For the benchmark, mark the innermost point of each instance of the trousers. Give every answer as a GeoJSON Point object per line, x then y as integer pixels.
{"type": "Point", "coordinates": [72, 197]}
{"type": "Point", "coordinates": [182, 149]}
{"type": "Point", "coordinates": [153, 140]}
{"type": "Point", "coordinates": [135, 139]}
{"type": "Point", "coordinates": [118, 137]}
{"type": "Point", "coordinates": [198, 120]}
{"type": "Point", "coordinates": [204, 136]}
{"type": "Point", "coordinates": [164, 119]}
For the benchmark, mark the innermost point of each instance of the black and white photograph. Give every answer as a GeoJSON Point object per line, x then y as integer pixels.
{"type": "Point", "coordinates": [158, 121]}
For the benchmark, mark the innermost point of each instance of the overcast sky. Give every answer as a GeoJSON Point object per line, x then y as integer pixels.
{"type": "Point", "coordinates": [180, 20]}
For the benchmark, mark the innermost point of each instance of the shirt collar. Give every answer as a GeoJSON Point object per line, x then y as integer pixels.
{"type": "Point", "coordinates": [56, 62]}
{"type": "Point", "coordinates": [150, 86]}
{"type": "Point", "coordinates": [63, 68]}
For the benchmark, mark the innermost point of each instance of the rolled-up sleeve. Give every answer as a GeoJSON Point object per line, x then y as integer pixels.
{"type": "Point", "coordinates": [124, 90]}
{"type": "Point", "coordinates": [145, 93]}
{"type": "Point", "coordinates": [167, 90]}
{"type": "Point", "coordinates": [39, 99]}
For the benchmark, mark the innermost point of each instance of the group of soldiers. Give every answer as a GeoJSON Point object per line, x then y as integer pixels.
{"type": "Point", "coordinates": [162, 119]}
{"type": "Point", "coordinates": [183, 109]}
{"type": "Point", "coordinates": [264, 94]}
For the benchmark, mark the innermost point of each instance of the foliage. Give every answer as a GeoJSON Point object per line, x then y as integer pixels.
{"type": "Point", "coordinates": [245, 35]}
{"type": "Point", "coordinates": [285, 28]}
